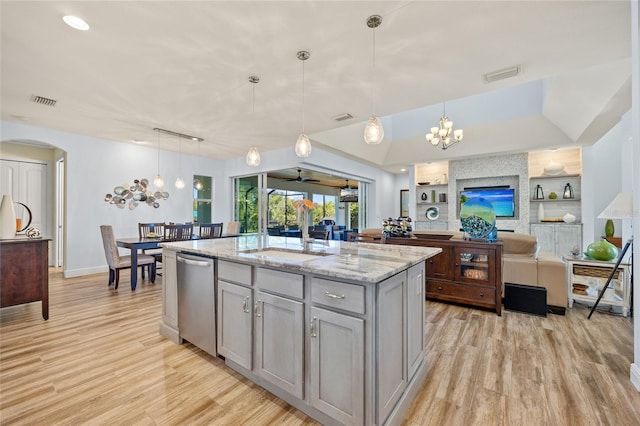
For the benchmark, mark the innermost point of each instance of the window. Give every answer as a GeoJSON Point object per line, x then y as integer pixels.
{"type": "Point", "coordinates": [202, 198]}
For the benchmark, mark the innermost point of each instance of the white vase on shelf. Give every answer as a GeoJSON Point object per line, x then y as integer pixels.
{"type": "Point", "coordinates": [540, 212]}
{"type": "Point", "coordinates": [7, 218]}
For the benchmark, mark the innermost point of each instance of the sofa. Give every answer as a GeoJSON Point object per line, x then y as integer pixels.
{"type": "Point", "coordinates": [523, 264]}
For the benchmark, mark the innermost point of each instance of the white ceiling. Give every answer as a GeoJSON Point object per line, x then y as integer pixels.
{"type": "Point", "coordinates": [184, 66]}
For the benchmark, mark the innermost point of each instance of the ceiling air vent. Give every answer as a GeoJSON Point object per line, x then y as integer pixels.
{"type": "Point", "coordinates": [503, 73]}
{"type": "Point", "coordinates": [342, 117]}
{"type": "Point", "coordinates": [43, 101]}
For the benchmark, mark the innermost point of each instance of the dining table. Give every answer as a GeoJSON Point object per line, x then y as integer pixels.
{"type": "Point", "coordinates": [134, 244]}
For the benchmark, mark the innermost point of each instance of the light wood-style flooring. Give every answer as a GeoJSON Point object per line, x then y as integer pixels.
{"type": "Point", "coordinates": [100, 360]}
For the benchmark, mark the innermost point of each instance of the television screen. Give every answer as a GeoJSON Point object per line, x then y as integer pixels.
{"type": "Point", "coordinates": [500, 198]}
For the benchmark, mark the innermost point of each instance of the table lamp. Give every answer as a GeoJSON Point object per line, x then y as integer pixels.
{"type": "Point", "coordinates": [620, 208]}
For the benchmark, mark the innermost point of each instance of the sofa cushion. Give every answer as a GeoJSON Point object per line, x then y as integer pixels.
{"type": "Point", "coordinates": [515, 243]}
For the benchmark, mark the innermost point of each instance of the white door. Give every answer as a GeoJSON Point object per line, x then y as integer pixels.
{"type": "Point", "coordinates": [26, 182]}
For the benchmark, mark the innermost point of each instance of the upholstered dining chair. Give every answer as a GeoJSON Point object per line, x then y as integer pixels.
{"type": "Point", "coordinates": [117, 262]}
{"type": "Point", "coordinates": [210, 230]}
{"type": "Point", "coordinates": [233, 228]}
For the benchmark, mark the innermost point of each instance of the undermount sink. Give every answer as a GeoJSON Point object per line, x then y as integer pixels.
{"type": "Point", "coordinates": [275, 253]}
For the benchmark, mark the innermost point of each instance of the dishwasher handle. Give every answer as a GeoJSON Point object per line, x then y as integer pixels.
{"type": "Point", "coordinates": [190, 262]}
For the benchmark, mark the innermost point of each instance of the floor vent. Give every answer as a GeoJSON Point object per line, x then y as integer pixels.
{"type": "Point", "coordinates": [43, 101]}
{"type": "Point", "coordinates": [342, 117]}
{"type": "Point", "coordinates": [502, 74]}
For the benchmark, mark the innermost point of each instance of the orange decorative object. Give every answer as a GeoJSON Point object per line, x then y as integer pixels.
{"type": "Point", "coordinates": [306, 204]}
{"type": "Point", "coordinates": [18, 224]}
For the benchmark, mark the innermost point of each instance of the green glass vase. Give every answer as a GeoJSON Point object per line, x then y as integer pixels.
{"type": "Point", "coordinates": [609, 229]}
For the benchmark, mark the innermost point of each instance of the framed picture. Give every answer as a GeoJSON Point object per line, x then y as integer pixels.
{"type": "Point", "coordinates": [404, 202]}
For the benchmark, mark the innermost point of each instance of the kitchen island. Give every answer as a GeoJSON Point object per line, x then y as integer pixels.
{"type": "Point", "coordinates": [334, 328]}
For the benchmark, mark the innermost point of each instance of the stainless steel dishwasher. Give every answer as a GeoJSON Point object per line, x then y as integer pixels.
{"type": "Point", "coordinates": [196, 301]}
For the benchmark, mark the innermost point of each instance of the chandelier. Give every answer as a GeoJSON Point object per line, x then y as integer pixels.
{"type": "Point", "coordinates": [442, 133]}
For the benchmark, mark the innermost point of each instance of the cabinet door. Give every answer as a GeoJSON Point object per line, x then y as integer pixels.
{"type": "Point", "coordinates": [337, 365]}
{"type": "Point", "coordinates": [279, 325]}
{"type": "Point", "coordinates": [169, 289]}
{"type": "Point", "coordinates": [546, 236]}
{"type": "Point", "coordinates": [391, 363]}
{"type": "Point", "coordinates": [415, 318]}
{"type": "Point", "coordinates": [568, 236]}
{"type": "Point", "coordinates": [234, 323]}
{"type": "Point", "coordinates": [439, 266]}
{"type": "Point", "coordinates": [474, 265]}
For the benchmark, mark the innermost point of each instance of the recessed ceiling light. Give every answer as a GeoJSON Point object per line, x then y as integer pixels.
{"type": "Point", "coordinates": [140, 142]}
{"type": "Point", "coordinates": [75, 22]}
{"type": "Point", "coordinates": [403, 170]}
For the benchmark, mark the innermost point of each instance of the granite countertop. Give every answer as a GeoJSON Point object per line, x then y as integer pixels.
{"type": "Point", "coordinates": [364, 262]}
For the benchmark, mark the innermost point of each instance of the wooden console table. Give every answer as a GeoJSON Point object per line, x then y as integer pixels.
{"type": "Point", "coordinates": [467, 272]}
{"type": "Point", "coordinates": [24, 272]}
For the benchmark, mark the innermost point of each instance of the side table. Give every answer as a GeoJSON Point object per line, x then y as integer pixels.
{"type": "Point", "coordinates": [585, 278]}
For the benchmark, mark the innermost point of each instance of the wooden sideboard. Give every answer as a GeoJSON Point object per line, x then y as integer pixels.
{"type": "Point", "coordinates": [24, 272]}
{"type": "Point", "coordinates": [467, 272]}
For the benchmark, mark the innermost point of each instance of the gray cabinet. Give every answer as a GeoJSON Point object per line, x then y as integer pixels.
{"type": "Point", "coordinates": [415, 318]}
{"type": "Point", "coordinates": [392, 343]}
{"type": "Point", "coordinates": [234, 323]}
{"type": "Point", "coordinates": [337, 365]}
{"type": "Point", "coordinates": [557, 238]}
{"type": "Point", "coordinates": [279, 348]}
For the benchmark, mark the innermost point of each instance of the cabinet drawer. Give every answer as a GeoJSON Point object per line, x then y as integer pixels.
{"type": "Point", "coordinates": [284, 283]}
{"type": "Point", "coordinates": [234, 272]}
{"type": "Point", "coordinates": [461, 291]}
{"type": "Point", "coordinates": [349, 297]}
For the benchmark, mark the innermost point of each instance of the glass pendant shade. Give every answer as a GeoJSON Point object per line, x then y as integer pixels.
{"type": "Point", "coordinates": [158, 182]}
{"type": "Point", "coordinates": [373, 131]}
{"type": "Point", "coordinates": [303, 146]}
{"type": "Point", "coordinates": [253, 156]}
{"type": "Point", "coordinates": [179, 183]}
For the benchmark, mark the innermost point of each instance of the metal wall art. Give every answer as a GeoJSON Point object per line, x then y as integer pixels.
{"type": "Point", "coordinates": [135, 194]}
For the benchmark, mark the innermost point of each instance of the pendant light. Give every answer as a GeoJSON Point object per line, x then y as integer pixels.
{"type": "Point", "coordinates": [373, 131]}
{"type": "Point", "coordinates": [197, 183]}
{"type": "Point", "coordinates": [303, 145]}
{"type": "Point", "coordinates": [253, 156]}
{"type": "Point", "coordinates": [179, 182]}
{"type": "Point", "coordinates": [158, 181]}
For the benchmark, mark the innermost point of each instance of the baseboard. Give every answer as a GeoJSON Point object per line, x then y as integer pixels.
{"type": "Point", "coordinates": [634, 375]}
{"type": "Point", "coordinates": [70, 273]}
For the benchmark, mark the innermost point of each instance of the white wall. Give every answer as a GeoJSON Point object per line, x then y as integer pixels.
{"type": "Point", "coordinates": [635, 178]}
{"type": "Point", "coordinates": [94, 167]}
{"type": "Point", "coordinates": [602, 179]}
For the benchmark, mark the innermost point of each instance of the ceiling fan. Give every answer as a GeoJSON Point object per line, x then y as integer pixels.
{"type": "Point", "coordinates": [300, 179]}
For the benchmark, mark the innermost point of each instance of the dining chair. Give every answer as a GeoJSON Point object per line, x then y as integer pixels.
{"type": "Point", "coordinates": [233, 228]}
{"type": "Point", "coordinates": [319, 235]}
{"type": "Point", "coordinates": [210, 230]}
{"type": "Point", "coordinates": [145, 228]}
{"type": "Point", "coordinates": [117, 262]}
{"type": "Point", "coordinates": [175, 232]}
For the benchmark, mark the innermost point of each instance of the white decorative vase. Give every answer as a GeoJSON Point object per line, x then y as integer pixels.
{"type": "Point", "coordinates": [540, 212]}
{"type": "Point", "coordinates": [7, 218]}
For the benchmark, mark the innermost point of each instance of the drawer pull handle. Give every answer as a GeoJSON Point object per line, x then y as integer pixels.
{"type": "Point", "coordinates": [334, 296]}
{"type": "Point", "coordinates": [481, 294]}
{"type": "Point", "coordinates": [439, 287]}
{"type": "Point", "coordinates": [245, 305]}
{"type": "Point", "coordinates": [312, 329]}
{"type": "Point", "coordinates": [256, 309]}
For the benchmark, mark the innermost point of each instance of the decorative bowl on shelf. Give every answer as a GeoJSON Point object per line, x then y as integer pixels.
{"type": "Point", "coordinates": [424, 183]}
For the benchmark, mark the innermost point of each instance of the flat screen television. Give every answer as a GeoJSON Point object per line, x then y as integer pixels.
{"type": "Point", "coordinates": [502, 199]}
